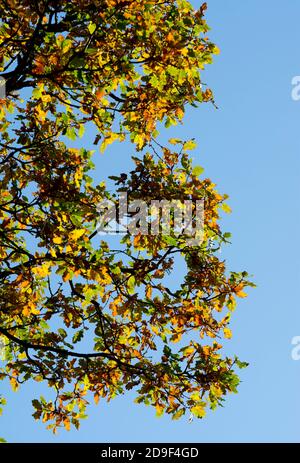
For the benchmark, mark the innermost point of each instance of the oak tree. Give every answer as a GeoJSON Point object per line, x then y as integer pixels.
{"type": "Point", "coordinates": [89, 320]}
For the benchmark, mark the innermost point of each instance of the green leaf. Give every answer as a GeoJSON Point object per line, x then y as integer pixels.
{"type": "Point", "coordinates": [11, 108]}
{"type": "Point", "coordinates": [170, 241]}
{"type": "Point", "coordinates": [139, 400]}
{"type": "Point", "coordinates": [78, 61]}
{"type": "Point", "coordinates": [131, 285]}
{"type": "Point", "coordinates": [92, 27]}
{"type": "Point", "coordinates": [198, 170]}
{"type": "Point", "coordinates": [66, 45]}
{"type": "Point", "coordinates": [77, 336]}
{"type": "Point", "coordinates": [37, 93]}
{"type": "Point", "coordinates": [70, 133]}
{"type": "Point", "coordinates": [62, 332]}
{"type": "Point", "coordinates": [170, 121]}
{"type": "Point", "coordinates": [116, 270]}
{"type": "Point", "coordinates": [240, 364]}
{"type": "Point", "coordinates": [81, 130]}
{"type": "Point", "coordinates": [91, 51]}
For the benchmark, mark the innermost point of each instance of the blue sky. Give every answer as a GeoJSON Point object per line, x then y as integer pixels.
{"type": "Point", "coordinates": [250, 148]}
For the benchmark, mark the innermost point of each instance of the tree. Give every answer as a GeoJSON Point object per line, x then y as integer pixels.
{"type": "Point", "coordinates": [86, 319]}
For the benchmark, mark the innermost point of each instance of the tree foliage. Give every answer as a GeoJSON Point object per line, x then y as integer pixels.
{"type": "Point", "coordinates": [87, 319]}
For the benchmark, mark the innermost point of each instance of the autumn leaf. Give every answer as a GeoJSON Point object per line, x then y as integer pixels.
{"type": "Point", "coordinates": [227, 333]}
{"type": "Point", "coordinates": [197, 170]}
{"type": "Point", "coordinates": [189, 145]}
{"type": "Point", "coordinates": [76, 234]}
{"type": "Point", "coordinates": [199, 410]}
{"type": "Point", "coordinates": [159, 409]}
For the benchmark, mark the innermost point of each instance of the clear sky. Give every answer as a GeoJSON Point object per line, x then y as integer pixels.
{"type": "Point", "coordinates": [250, 147]}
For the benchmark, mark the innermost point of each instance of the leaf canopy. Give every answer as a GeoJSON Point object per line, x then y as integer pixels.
{"type": "Point", "coordinates": [86, 319]}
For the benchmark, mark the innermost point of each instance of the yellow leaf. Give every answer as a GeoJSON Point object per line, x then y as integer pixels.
{"type": "Point", "coordinates": [30, 309]}
{"type": "Point", "coordinates": [226, 208]}
{"type": "Point", "coordinates": [227, 333]}
{"type": "Point", "coordinates": [199, 410]}
{"type": "Point", "coordinates": [170, 37]}
{"type": "Point", "coordinates": [241, 294]}
{"type": "Point", "coordinates": [188, 351]}
{"type": "Point", "coordinates": [176, 337]}
{"type": "Point", "coordinates": [190, 145]}
{"type": "Point", "coordinates": [26, 311]}
{"type": "Point", "coordinates": [42, 271]}
{"type": "Point", "coordinates": [57, 240]}
{"type": "Point", "coordinates": [14, 384]}
{"type": "Point", "coordinates": [46, 98]}
{"type": "Point", "coordinates": [239, 290]}
{"type": "Point", "coordinates": [216, 390]}
{"type": "Point", "coordinates": [53, 253]}
{"type": "Point", "coordinates": [139, 139]}
{"type": "Point", "coordinates": [76, 234]}
{"type": "Point", "coordinates": [174, 141]}
{"type": "Point", "coordinates": [41, 114]}
{"type": "Point", "coordinates": [159, 409]}
{"type": "Point", "coordinates": [155, 329]}
{"type": "Point", "coordinates": [110, 139]}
